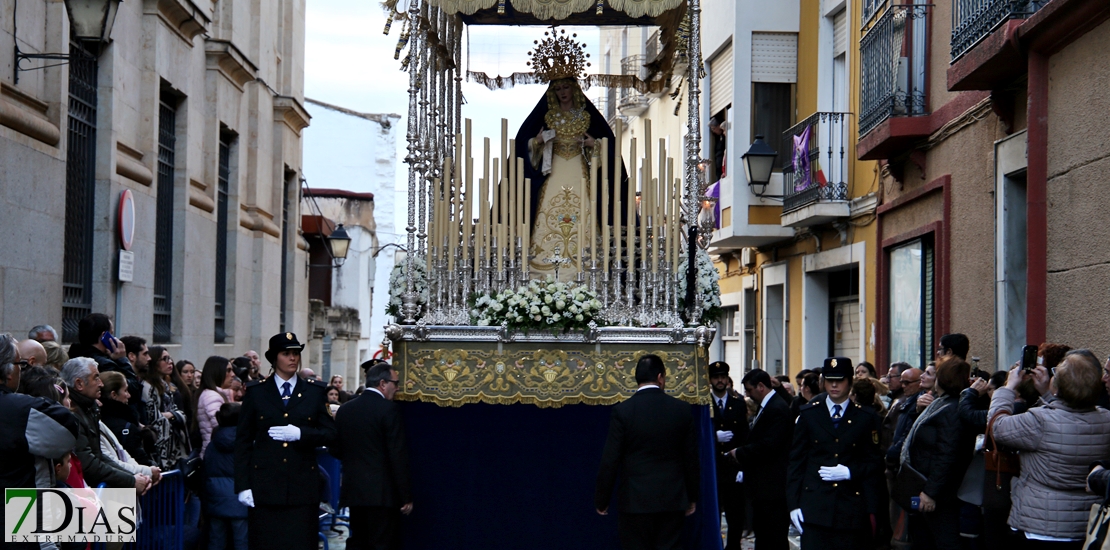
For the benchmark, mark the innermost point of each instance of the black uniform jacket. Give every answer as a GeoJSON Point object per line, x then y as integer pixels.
{"type": "Point", "coordinates": [282, 473]}
{"type": "Point", "coordinates": [763, 456]}
{"type": "Point", "coordinates": [855, 444]}
{"type": "Point", "coordinates": [653, 443]}
{"type": "Point", "coordinates": [375, 456]}
{"type": "Point", "coordinates": [733, 418]}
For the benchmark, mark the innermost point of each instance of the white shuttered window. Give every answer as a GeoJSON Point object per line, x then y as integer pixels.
{"type": "Point", "coordinates": [720, 81]}
{"type": "Point", "coordinates": [775, 57]}
{"type": "Point", "coordinates": [840, 33]}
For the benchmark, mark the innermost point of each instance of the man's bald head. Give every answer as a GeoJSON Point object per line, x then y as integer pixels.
{"type": "Point", "coordinates": [33, 352]}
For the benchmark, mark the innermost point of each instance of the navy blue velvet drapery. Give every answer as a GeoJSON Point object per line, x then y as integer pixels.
{"type": "Point", "coordinates": [505, 477]}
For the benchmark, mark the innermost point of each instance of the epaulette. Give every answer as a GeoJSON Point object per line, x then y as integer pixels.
{"type": "Point", "coordinates": [318, 383]}
{"type": "Point", "coordinates": [254, 383]}
{"type": "Point", "coordinates": [808, 406]}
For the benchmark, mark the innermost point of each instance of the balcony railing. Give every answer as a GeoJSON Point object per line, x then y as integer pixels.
{"type": "Point", "coordinates": [632, 102]}
{"type": "Point", "coordinates": [973, 20]}
{"type": "Point", "coordinates": [892, 66]}
{"type": "Point", "coordinates": [816, 166]}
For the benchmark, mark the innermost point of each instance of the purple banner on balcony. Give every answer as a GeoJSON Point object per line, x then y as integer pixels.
{"type": "Point", "coordinates": [714, 191]}
{"type": "Point", "coordinates": [800, 159]}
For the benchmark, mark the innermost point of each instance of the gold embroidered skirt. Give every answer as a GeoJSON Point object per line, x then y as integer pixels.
{"type": "Point", "coordinates": [555, 229]}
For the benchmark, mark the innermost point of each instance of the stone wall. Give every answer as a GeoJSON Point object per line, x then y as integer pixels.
{"type": "Point", "coordinates": [229, 68]}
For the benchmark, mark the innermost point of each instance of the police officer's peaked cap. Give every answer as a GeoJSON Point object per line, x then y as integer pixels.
{"type": "Point", "coordinates": [718, 368]}
{"type": "Point", "coordinates": [837, 368]}
{"type": "Point", "coordinates": [282, 342]}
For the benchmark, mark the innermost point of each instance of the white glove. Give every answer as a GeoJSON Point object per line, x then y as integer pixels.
{"type": "Point", "coordinates": [285, 433]}
{"type": "Point", "coordinates": [796, 519]}
{"type": "Point", "coordinates": [724, 436]}
{"type": "Point", "coordinates": [247, 498]}
{"type": "Point", "coordinates": [739, 477]}
{"type": "Point", "coordinates": [839, 472]}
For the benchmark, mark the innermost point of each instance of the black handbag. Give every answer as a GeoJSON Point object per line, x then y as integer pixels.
{"type": "Point", "coordinates": [190, 468]}
{"type": "Point", "coordinates": [908, 483]}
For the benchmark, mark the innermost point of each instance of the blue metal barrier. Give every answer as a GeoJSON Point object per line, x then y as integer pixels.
{"type": "Point", "coordinates": [162, 514]}
{"type": "Point", "coordinates": [161, 526]}
{"type": "Point", "coordinates": [333, 470]}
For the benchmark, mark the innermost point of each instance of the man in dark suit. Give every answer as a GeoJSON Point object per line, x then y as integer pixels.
{"type": "Point", "coordinates": [282, 421]}
{"type": "Point", "coordinates": [653, 443]}
{"type": "Point", "coordinates": [834, 466]}
{"type": "Point", "coordinates": [375, 457]}
{"type": "Point", "coordinates": [762, 460]}
{"type": "Point", "coordinates": [730, 424]}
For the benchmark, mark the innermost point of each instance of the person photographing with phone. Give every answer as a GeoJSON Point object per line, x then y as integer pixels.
{"type": "Point", "coordinates": [95, 341]}
{"type": "Point", "coordinates": [1057, 443]}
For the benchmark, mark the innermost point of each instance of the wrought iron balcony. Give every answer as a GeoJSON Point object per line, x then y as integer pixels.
{"type": "Point", "coordinates": [816, 165]}
{"type": "Point", "coordinates": [632, 102]}
{"type": "Point", "coordinates": [892, 66]}
{"type": "Point", "coordinates": [973, 20]}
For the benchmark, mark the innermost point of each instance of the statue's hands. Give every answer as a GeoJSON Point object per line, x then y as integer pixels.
{"type": "Point", "coordinates": [539, 136]}
{"type": "Point", "coordinates": [587, 141]}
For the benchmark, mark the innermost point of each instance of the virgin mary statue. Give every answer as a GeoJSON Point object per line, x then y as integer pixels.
{"type": "Point", "coordinates": [561, 143]}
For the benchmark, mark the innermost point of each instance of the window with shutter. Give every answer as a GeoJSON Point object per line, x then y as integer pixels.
{"type": "Point", "coordinates": [775, 57]}
{"type": "Point", "coordinates": [720, 81]}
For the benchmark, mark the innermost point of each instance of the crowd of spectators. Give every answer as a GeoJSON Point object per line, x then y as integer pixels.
{"type": "Point", "coordinates": [117, 413]}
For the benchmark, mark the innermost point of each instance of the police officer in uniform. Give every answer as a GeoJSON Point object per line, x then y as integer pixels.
{"type": "Point", "coordinates": [282, 421]}
{"type": "Point", "coordinates": [730, 422]}
{"type": "Point", "coordinates": [834, 465]}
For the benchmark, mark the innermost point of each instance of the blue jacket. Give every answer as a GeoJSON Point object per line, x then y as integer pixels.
{"type": "Point", "coordinates": [220, 499]}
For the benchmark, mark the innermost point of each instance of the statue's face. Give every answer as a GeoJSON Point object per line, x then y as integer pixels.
{"type": "Point", "coordinates": [564, 91]}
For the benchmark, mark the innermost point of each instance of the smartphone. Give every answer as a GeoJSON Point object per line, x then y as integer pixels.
{"type": "Point", "coordinates": [106, 339]}
{"type": "Point", "coordinates": [1028, 358]}
{"type": "Point", "coordinates": [915, 503]}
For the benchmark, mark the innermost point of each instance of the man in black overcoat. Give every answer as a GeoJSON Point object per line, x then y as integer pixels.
{"type": "Point", "coordinates": [375, 457]}
{"type": "Point", "coordinates": [283, 420]}
{"type": "Point", "coordinates": [653, 447]}
{"type": "Point", "coordinates": [762, 458]}
{"type": "Point", "coordinates": [730, 426]}
{"type": "Point", "coordinates": [834, 464]}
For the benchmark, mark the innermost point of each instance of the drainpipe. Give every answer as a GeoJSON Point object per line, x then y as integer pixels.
{"type": "Point", "coordinates": [1036, 294]}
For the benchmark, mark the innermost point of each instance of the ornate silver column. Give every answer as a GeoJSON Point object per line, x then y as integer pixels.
{"type": "Point", "coordinates": [409, 307]}
{"type": "Point", "coordinates": [693, 144]}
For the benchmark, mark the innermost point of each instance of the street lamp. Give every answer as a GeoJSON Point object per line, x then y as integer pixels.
{"type": "Point", "coordinates": [759, 161]}
{"type": "Point", "coordinates": [339, 243]}
{"type": "Point", "coordinates": [91, 22]}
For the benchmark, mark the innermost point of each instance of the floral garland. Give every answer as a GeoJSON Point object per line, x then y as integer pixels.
{"type": "Point", "coordinates": [708, 289]}
{"type": "Point", "coordinates": [398, 285]}
{"type": "Point", "coordinates": [546, 305]}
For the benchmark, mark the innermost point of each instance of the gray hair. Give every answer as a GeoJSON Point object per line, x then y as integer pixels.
{"type": "Point", "coordinates": [8, 353]}
{"type": "Point", "coordinates": [78, 367]}
{"type": "Point", "coordinates": [39, 329]}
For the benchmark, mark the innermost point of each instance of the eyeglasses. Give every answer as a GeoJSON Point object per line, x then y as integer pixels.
{"type": "Point", "coordinates": [911, 381]}
{"type": "Point", "coordinates": [391, 381]}
{"type": "Point", "coordinates": [167, 359]}
{"type": "Point", "coordinates": [22, 364]}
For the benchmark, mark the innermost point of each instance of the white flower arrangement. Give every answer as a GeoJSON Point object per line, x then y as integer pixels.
{"type": "Point", "coordinates": [541, 305]}
{"type": "Point", "coordinates": [708, 290]}
{"type": "Point", "coordinates": [398, 285]}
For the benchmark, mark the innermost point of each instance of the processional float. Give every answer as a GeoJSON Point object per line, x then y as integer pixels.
{"type": "Point", "coordinates": [481, 317]}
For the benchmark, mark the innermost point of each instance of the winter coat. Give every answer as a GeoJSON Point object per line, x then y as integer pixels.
{"type": "Point", "coordinates": [97, 467]}
{"type": "Point", "coordinates": [973, 410]}
{"type": "Point", "coordinates": [171, 442]}
{"type": "Point", "coordinates": [31, 427]}
{"type": "Point", "coordinates": [1057, 444]}
{"type": "Point", "coordinates": [124, 423]}
{"type": "Point", "coordinates": [220, 499]}
{"type": "Point", "coordinates": [940, 449]}
{"type": "Point", "coordinates": [208, 404]}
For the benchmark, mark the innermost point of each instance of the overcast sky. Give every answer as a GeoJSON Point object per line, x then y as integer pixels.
{"type": "Point", "coordinates": [349, 63]}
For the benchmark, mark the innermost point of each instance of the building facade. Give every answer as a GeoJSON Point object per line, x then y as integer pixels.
{"type": "Point", "coordinates": [797, 252]}
{"type": "Point", "coordinates": [992, 152]}
{"type": "Point", "coordinates": [196, 109]}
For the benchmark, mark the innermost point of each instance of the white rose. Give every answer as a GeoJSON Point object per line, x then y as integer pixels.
{"type": "Point", "coordinates": [580, 297]}
{"type": "Point", "coordinates": [483, 322]}
{"type": "Point", "coordinates": [548, 299]}
{"type": "Point", "coordinates": [537, 317]}
{"type": "Point", "coordinates": [579, 318]}
{"type": "Point", "coordinates": [545, 310]}
{"type": "Point", "coordinates": [560, 305]}
{"type": "Point", "coordinates": [556, 318]}
{"type": "Point", "coordinates": [534, 310]}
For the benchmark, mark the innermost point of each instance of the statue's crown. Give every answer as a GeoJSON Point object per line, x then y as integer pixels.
{"type": "Point", "coordinates": [558, 56]}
